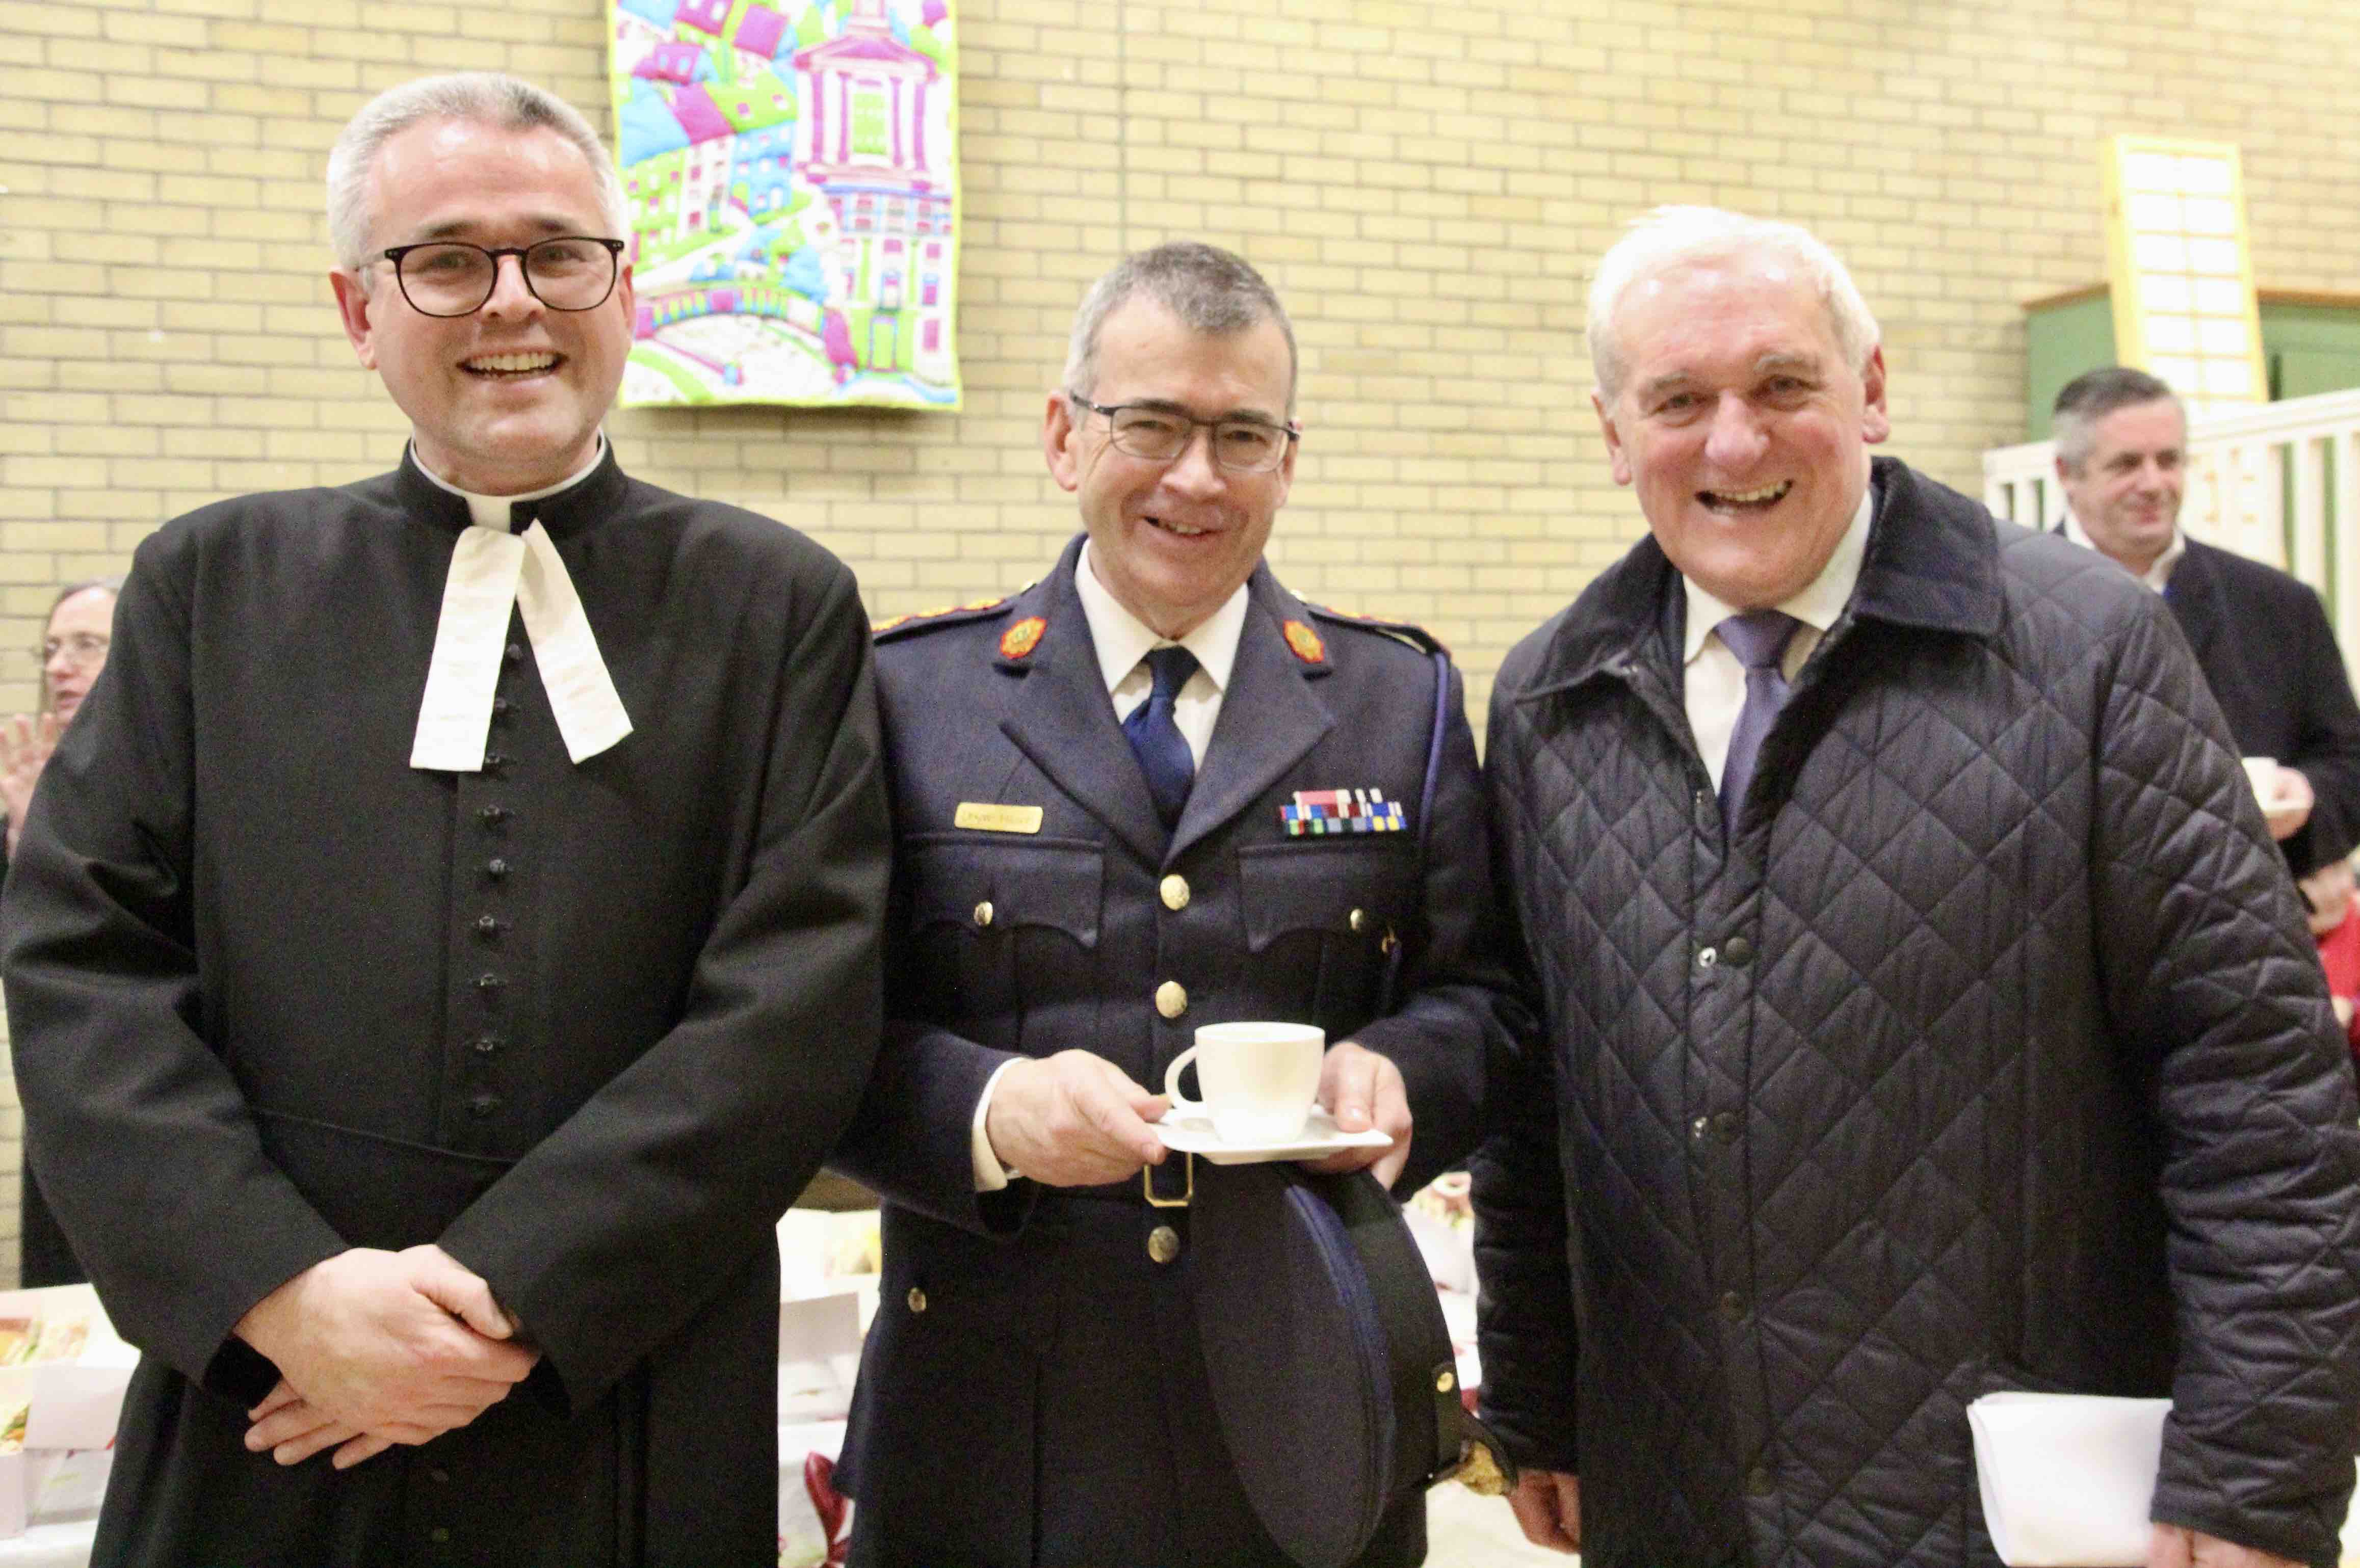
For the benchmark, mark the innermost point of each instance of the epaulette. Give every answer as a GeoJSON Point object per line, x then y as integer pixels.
{"type": "Point", "coordinates": [1416, 637]}
{"type": "Point", "coordinates": [942, 615]}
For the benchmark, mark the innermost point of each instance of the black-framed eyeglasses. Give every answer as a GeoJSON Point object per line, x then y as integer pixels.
{"type": "Point", "coordinates": [80, 649]}
{"type": "Point", "coordinates": [452, 278]}
{"type": "Point", "coordinates": [1241, 443]}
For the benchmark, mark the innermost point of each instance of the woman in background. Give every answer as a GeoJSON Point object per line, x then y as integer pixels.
{"type": "Point", "coordinates": [72, 652]}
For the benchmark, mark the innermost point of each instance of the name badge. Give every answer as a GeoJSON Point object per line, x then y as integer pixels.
{"type": "Point", "coordinates": [997, 818]}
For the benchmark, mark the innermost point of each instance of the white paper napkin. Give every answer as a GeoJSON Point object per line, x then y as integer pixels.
{"type": "Point", "coordinates": [2067, 1479]}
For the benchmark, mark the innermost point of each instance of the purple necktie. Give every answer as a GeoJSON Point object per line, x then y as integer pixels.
{"type": "Point", "coordinates": [1759, 639]}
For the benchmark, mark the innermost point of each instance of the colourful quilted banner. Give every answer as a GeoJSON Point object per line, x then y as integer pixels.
{"type": "Point", "coordinates": [792, 175]}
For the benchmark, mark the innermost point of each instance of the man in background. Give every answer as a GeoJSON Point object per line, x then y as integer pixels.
{"type": "Point", "coordinates": [1927, 1010]}
{"type": "Point", "coordinates": [448, 937]}
{"type": "Point", "coordinates": [2261, 637]}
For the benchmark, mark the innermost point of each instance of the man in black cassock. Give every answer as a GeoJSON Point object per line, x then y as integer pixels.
{"type": "Point", "coordinates": [449, 937]}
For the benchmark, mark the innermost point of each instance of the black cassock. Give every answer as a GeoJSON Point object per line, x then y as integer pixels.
{"type": "Point", "coordinates": [589, 1026]}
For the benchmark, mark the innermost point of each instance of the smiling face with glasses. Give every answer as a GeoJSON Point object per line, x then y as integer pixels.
{"type": "Point", "coordinates": [495, 307]}
{"type": "Point", "coordinates": [1180, 453]}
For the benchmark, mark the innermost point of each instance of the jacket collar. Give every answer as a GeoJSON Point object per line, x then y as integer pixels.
{"type": "Point", "coordinates": [1271, 714]}
{"type": "Point", "coordinates": [1932, 564]}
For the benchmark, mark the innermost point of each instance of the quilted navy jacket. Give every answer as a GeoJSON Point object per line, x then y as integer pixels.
{"type": "Point", "coordinates": [1987, 1050]}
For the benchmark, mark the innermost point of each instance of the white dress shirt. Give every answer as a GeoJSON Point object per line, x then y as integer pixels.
{"type": "Point", "coordinates": [1715, 687]}
{"type": "Point", "coordinates": [2157, 575]}
{"type": "Point", "coordinates": [1122, 642]}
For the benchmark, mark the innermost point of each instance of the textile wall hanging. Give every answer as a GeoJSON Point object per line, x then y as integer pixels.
{"type": "Point", "coordinates": [791, 171]}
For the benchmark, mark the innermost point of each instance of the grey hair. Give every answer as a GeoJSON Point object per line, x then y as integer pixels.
{"type": "Point", "coordinates": [1211, 290]}
{"type": "Point", "coordinates": [1671, 237]}
{"type": "Point", "coordinates": [479, 97]}
{"type": "Point", "coordinates": [2091, 397]}
{"type": "Point", "coordinates": [111, 584]}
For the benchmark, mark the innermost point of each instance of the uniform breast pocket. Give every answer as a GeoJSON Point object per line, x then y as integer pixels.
{"type": "Point", "coordinates": [998, 930]}
{"type": "Point", "coordinates": [1322, 921]}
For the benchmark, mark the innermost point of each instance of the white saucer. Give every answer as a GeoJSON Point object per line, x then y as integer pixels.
{"type": "Point", "coordinates": [1191, 1132]}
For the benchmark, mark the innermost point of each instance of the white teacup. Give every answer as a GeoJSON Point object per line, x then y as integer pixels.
{"type": "Point", "coordinates": [2262, 773]}
{"type": "Point", "coordinates": [1259, 1079]}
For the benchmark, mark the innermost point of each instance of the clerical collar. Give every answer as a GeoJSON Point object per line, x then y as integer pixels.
{"type": "Point", "coordinates": [495, 567]}
{"type": "Point", "coordinates": [1820, 601]}
{"type": "Point", "coordinates": [1122, 639]}
{"type": "Point", "coordinates": [492, 511]}
{"type": "Point", "coordinates": [2158, 574]}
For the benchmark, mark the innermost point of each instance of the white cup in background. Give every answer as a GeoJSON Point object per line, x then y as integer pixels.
{"type": "Point", "coordinates": [1259, 1079]}
{"type": "Point", "coordinates": [2262, 773]}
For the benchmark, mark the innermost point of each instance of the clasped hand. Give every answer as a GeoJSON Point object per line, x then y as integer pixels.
{"type": "Point", "coordinates": [375, 1348]}
{"type": "Point", "coordinates": [1075, 1119]}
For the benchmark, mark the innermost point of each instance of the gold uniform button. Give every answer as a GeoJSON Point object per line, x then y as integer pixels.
{"type": "Point", "coordinates": [1445, 1380]}
{"type": "Point", "coordinates": [1171, 998]}
{"type": "Point", "coordinates": [1176, 892]}
{"type": "Point", "coordinates": [983, 913]}
{"type": "Point", "coordinates": [1359, 920]}
{"type": "Point", "coordinates": [917, 1300]}
{"type": "Point", "coordinates": [1164, 1244]}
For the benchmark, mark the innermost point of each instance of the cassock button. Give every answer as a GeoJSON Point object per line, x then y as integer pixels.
{"type": "Point", "coordinates": [1357, 920]}
{"type": "Point", "coordinates": [489, 1044]}
{"type": "Point", "coordinates": [486, 927]}
{"type": "Point", "coordinates": [488, 983]}
{"type": "Point", "coordinates": [983, 913]}
{"type": "Point", "coordinates": [439, 1536]}
{"type": "Point", "coordinates": [1171, 998]}
{"type": "Point", "coordinates": [483, 1105]}
{"type": "Point", "coordinates": [1164, 1244]}
{"type": "Point", "coordinates": [917, 1300]}
{"type": "Point", "coordinates": [494, 761]}
{"type": "Point", "coordinates": [1176, 892]}
{"type": "Point", "coordinates": [500, 707]}
{"type": "Point", "coordinates": [495, 866]}
{"type": "Point", "coordinates": [513, 652]}
{"type": "Point", "coordinates": [440, 1477]}
{"type": "Point", "coordinates": [494, 815]}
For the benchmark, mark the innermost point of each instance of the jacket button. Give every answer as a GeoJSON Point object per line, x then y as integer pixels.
{"type": "Point", "coordinates": [1174, 889]}
{"type": "Point", "coordinates": [983, 913]}
{"type": "Point", "coordinates": [439, 1536]}
{"type": "Point", "coordinates": [1733, 1306]}
{"type": "Point", "coordinates": [1757, 1482]}
{"type": "Point", "coordinates": [1171, 999]}
{"type": "Point", "coordinates": [1706, 957]}
{"type": "Point", "coordinates": [1699, 1126]}
{"type": "Point", "coordinates": [917, 1300]}
{"type": "Point", "coordinates": [483, 1105]}
{"type": "Point", "coordinates": [1738, 952]}
{"type": "Point", "coordinates": [1726, 1125]}
{"type": "Point", "coordinates": [1164, 1244]}
{"type": "Point", "coordinates": [440, 1477]}
{"type": "Point", "coordinates": [1357, 920]}
{"type": "Point", "coordinates": [495, 866]}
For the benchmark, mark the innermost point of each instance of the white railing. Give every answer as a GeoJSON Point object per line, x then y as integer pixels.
{"type": "Point", "coordinates": [2279, 484]}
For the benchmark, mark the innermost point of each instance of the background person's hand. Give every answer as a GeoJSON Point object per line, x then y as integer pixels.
{"type": "Point", "coordinates": [1363, 1090]}
{"type": "Point", "coordinates": [1547, 1504]}
{"type": "Point", "coordinates": [26, 742]}
{"type": "Point", "coordinates": [2289, 808]}
{"type": "Point", "coordinates": [2171, 1546]}
{"type": "Point", "coordinates": [379, 1347]}
{"type": "Point", "coordinates": [1073, 1120]}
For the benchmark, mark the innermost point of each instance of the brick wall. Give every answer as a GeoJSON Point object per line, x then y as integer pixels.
{"type": "Point", "coordinates": [1426, 185]}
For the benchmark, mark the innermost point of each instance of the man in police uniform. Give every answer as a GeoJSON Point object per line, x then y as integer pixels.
{"type": "Point", "coordinates": [1152, 791]}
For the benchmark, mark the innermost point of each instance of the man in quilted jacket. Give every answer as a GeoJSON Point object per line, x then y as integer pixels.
{"type": "Point", "coordinates": [1929, 1012]}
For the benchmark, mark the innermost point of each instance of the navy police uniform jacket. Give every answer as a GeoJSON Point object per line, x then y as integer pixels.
{"type": "Point", "coordinates": [1032, 1390]}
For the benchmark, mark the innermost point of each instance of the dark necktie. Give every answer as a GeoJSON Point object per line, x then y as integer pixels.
{"type": "Point", "coordinates": [1759, 639]}
{"type": "Point", "coordinates": [1156, 740]}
